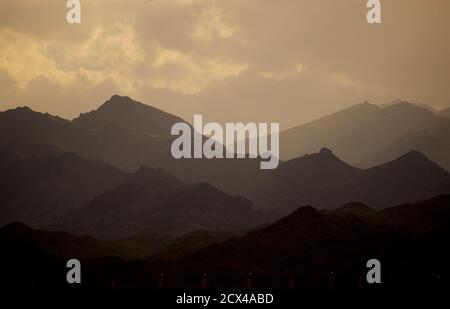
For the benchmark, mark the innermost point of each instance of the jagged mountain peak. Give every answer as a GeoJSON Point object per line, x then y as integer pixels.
{"type": "Point", "coordinates": [414, 159]}
{"type": "Point", "coordinates": [15, 227]}
{"type": "Point", "coordinates": [324, 158]}
{"type": "Point", "coordinates": [357, 209]}
{"type": "Point", "coordinates": [128, 114]}
{"type": "Point", "coordinates": [148, 175]}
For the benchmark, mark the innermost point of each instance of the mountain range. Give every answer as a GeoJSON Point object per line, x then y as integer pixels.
{"type": "Point", "coordinates": [52, 166]}
{"type": "Point", "coordinates": [366, 134]}
{"type": "Point", "coordinates": [37, 188]}
{"type": "Point", "coordinates": [155, 201]}
{"type": "Point", "coordinates": [323, 180]}
{"type": "Point", "coordinates": [311, 248]}
{"type": "Point", "coordinates": [308, 248]}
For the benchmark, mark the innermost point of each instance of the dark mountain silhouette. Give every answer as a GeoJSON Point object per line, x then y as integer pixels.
{"type": "Point", "coordinates": [128, 114]}
{"type": "Point", "coordinates": [57, 243]}
{"type": "Point", "coordinates": [421, 217]}
{"type": "Point", "coordinates": [428, 216]}
{"type": "Point", "coordinates": [40, 187]}
{"type": "Point", "coordinates": [149, 129]}
{"type": "Point", "coordinates": [359, 131]}
{"type": "Point", "coordinates": [314, 179]}
{"type": "Point", "coordinates": [358, 209]}
{"type": "Point", "coordinates": [126, 134]}
{"type": "Point", "coordinates": [12, 151]}
{"type": "Point", "coordinates": [142, 246]}
{"type": "Point", "coordinates": [124, 147]}
{"type": "Point", "coordinates": [129, 134]}
{"type": "Point", "coordinates": [154, 200]}
{"type": "Point", "coordinates": [325, 181]}
{"type": "Point", "coordinates": [412, 177]}
{"type": "Point", "coordinates": [191, 243]}
{"type": "Point", "coordinates": [308, 248]}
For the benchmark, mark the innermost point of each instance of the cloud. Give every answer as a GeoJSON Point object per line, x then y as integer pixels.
{"type": "Point", "coordinates": [212, 24]}
{"type": "Point", "coordinates": [343, 80]}
{"type": "Point", "coordinates": [279, 76]}
{"type": "Point", "coordinates": [286, 60]}
{"type": "Point", "coordinates": [184, 73]}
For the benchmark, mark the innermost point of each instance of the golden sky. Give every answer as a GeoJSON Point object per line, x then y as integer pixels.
{"type": "Point", "coordinates": [287, 61]}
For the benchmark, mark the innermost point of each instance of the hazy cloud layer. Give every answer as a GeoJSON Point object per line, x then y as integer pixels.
{"type": "Point", "coordinates": [232, 60]}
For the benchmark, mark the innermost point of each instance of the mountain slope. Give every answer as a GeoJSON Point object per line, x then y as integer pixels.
{"type": "Point", "coordinates": [306, 249]}
{"type": "Point", "coordinates": [153, 200]}
{"type": "Point", "coordinates": [435, 145]}
{"type": "Point", "coordinates": [358, 131]}
{"type": "Point", "coordinates": [305, 243]}
{"type": "Point", "coordinates": [24, 125]}
{"type": "Point", "coordinates": [421, 217]}
{"type": "Point", "coordinates": [325, 181]}
{"type": "Point", "coordinates": [412, 177]}
{"type": "Point", "coordinates": [12, 151]}
{"type": "Point", "coordinates": [127, 134]}
{"type": "Point", "coordinates": [309, 248]}
{"type": "Point", "coordinates": [38, 188]}
{"type": "Point", "coordinates": [445, 113]}
{"type": "Point", "coordinates": [106, 141]}
{"type": "Point", "coordinates": [315, 179]}
{"type": "Point", "coordinates": [128, 114]}
{"type": "Point", "coordinates": [57, 243]}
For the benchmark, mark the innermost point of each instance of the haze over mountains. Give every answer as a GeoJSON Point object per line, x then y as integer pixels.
{"type": "Point", "coordinates": [364, 133]}
{"type": "Point", "coordinates": [323, 180]}
{"type": "Point", "coordinates": [128, 134]}
{"type": "Point", "coordinates": [153, 200]}
{"type": "Point", "coordinates": [109, 175]}
{"type": "Point", "coordinates": [445, 113]}
{"type": "Point", "coordinates": [38, 188]}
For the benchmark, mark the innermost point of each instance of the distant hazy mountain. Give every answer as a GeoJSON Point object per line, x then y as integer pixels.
{"type": "Point", "coordinates": [325, 181]}
{"type": "Point", "coordinates": [129, 134]}
{"type": "Point", "coordinates": [435, 145]}
{"type": "Point", "coordinates": [39, 187]}
{"type": "Point", "coordinates": [359, 131]}
{"type": "Point", "coordinates": [445, 113]}
{"type": "Point", "coordinates": [154, 200]}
